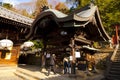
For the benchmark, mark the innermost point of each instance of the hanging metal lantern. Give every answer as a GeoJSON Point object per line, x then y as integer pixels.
{"type": "Point", "coordinates": [28, 44]}
{"type": "Point", "coordinates": [6, 44]}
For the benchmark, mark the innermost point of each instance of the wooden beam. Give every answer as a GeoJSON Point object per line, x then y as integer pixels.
{"type": "Point", "coordinates": [85, 41]}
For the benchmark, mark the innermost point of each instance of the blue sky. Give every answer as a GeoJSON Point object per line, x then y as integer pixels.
{"type": "Point", "coordinates": [14, 2]}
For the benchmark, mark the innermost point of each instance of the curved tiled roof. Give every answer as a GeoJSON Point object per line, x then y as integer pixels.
{"type": "Point", "coordinates": [59, 16]}
{"type": "Point", "coordinates": [5, 13]}
{"type": "Point", "coordinates": [80, 18]}
{"type": "Point", "coordinates": [56, 12]}
{"type": "Point", "coordinates": [87, 13]}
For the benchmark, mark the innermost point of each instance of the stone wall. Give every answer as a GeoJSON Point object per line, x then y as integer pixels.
{"type": "Point", "coordinates": [101, 60]}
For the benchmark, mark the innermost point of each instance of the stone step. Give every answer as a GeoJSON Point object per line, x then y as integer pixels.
{"type": "Point", "coordinates": [115, 69]}
{"type": "Point", "coordinates": [114, 72]}
{"type": "Point", "coordinates": [116, 63]}
{"type": "Point", "coordinates": [34, 74]}
{"type": "Point", "coordinates": [23, 73]}
{"type": "Point", "coordinates": [113, 77]}
{"type": "Point", "coordinates": [23, 76]}
{"type": "Point", "coordinates": [115, 66]}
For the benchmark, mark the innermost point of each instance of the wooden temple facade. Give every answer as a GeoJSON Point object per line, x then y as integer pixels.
{"type": "Point", "coordinates": [13, 27]}
{"type": "Point", "coordinates": [62, 34]}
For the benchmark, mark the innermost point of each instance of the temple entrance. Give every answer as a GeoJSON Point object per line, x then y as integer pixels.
{"type": "Point", "coordinates": [64, 34]}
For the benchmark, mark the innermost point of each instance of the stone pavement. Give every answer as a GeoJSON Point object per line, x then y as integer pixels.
{"type": "Point", "coordinates": [30, 72]}
{"type": "Point", "coordinates": [7, 73]}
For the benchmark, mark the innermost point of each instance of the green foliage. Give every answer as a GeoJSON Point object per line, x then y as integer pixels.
{"type": "Point", "coordinates": [82, 3]}
{"type": "Point", "coordinates": [95, 44]}
{"type": "Point", "coordinates": [37, 44]}
{"type": "Point", "coordinates": [109, 11]}
{"type": "Point", "coordinates": [62, 7]}
{"type": "Point", "coordinates": [7, 5]}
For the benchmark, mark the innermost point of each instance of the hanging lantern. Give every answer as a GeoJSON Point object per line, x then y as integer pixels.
{"type": "Point", "coordinates": [6, 44]}
{"type": "Point", "coordinates": [28, 44]}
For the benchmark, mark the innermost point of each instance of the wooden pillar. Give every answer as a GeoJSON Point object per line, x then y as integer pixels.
{"type": "Point", "coordinates": [73, 64]}
{"type": "Point", "coordinates": [117, 34]}
{"type": "Point", "coordinates": [73, 50]}
{"type": "Point", "coordinates": [43, 55]}
{"type": "Point", "coordinates": [15, 54]}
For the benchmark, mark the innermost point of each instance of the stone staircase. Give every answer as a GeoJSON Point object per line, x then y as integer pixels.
{"type": "Point", "coordinates": [33, 73]}
{"type": "Point", "coordinates": [114, 67]}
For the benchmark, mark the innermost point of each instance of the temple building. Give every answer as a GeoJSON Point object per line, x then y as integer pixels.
{"type": "Point", "coordinates": [13, 28]}
{"type": "Point", "coordinates": [65, 35]}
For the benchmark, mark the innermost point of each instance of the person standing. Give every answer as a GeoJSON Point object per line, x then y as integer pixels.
{"type": "Point", "coordinates": [52, 64]}
{"type": "Point", "coordinates": [65, 64]}
{"type": "Point", "coordinates": [69, 67]}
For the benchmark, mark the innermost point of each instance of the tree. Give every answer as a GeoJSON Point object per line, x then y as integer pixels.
{"type": "Point", "coordinates": [24, 12]}
{"type": "Point", "coordinates": [109, 11]}
{"type": "Point", "coordinates": [61, 7]}
{"type": "Point", "coordinates": [38, 44]}
{"type": "Point", "coordinates": [7, 5]}
{"type": "Point", "coordinates": [39, 5]}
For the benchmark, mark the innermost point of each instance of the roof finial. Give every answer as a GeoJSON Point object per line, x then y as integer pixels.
{"type": "Point", "coordinates": [45, 8]}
